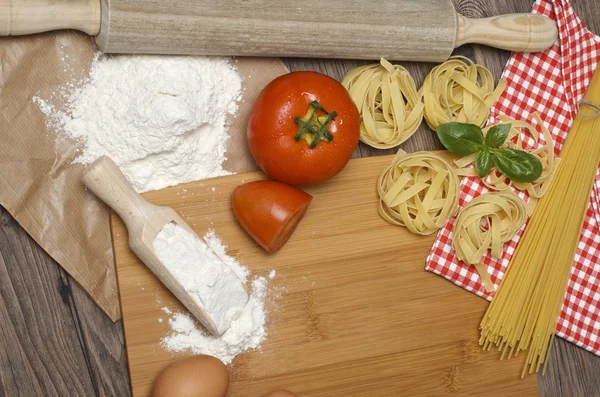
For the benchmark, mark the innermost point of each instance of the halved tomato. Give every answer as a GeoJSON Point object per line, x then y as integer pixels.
{"type": "Point", "coordinates": [269, 211]}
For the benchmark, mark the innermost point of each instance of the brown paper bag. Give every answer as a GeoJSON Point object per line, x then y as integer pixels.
{"type": "Point", "coordinates": [38, 184]}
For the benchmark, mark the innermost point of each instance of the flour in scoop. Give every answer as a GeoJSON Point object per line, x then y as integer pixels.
{"type": "Point", "coordinates": [163, 120]}
{"type": "Point", "coordinates": [247, 331]}
{"type": "Point", "coordinates": [208, 279]}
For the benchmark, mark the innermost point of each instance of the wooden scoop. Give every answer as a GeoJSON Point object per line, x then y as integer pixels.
{"type": "Point", "coordinates": [144, 221]}
{"type": "Point", "coordinates": [412, 30]}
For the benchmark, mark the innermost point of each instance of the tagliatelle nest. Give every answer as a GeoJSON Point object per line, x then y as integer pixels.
{"type": "Point", "coordinates": [388, 101]}
{"type": "Point", "coordinates": [545, 153]}
{"type": "Point", "coordinates": [487, 222]}
{"type": "Point", "coordinates": [419, 191]}
{"type": "Point", "coordinates": [459, 90]}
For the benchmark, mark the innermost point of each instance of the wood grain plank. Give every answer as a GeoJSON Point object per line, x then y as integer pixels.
{"type": "Point", "coordinates": [103, 344]}
{"type": "Point", "coordinates": [62, 318]}
{"type": "Point", "coordinates": [41, 353]}
{"type": "Point", "coordinates": [574, 372]}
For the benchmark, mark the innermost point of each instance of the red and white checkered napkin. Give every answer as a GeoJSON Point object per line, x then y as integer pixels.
{"type": "Point", "coordinates": [550, 83]}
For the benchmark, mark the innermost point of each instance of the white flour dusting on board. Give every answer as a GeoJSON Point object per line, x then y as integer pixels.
{"type": "Point", "coordinates": [163, 120]}
{"type": "Point", "coordinates": [246, 332]}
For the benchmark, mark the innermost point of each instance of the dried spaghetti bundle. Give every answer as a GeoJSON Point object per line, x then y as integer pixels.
{"type": "Point", "coordinates": [525, 310]}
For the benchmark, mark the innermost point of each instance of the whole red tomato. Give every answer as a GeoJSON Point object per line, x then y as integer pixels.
{"type": "Point", "coordinates": [303, 128]}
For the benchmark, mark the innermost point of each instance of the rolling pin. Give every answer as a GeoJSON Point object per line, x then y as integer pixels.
{"type": "Point", "coordinates": [413, 30]}
{"type": "Point", "coordinates": [144, 222]}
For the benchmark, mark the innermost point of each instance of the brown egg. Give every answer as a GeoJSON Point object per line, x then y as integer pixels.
{"type": "Point", "coordinates": [280, 393]}
{"type": "Point", "coordinates": [194, 376]}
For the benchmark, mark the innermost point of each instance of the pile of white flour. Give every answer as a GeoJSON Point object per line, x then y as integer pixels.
{"type": "Point", "coordinates": [163, 120]}
{"type": "Point", "coordinates": [208, 280]}
{"type": "Point", "coordinates": [246, 332]}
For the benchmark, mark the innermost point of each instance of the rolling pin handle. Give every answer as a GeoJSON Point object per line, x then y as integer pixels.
{"type": "Point", "coordinates": [513, 32]}
{"type": "Point", "coordinates": [22, 17]}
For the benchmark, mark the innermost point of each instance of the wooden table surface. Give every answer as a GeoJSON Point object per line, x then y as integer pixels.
{"type": "Point", "coordinates": [56, 342]}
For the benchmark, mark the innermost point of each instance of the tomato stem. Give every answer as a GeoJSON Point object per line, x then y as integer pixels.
{"type": "Point", "coordinates": [314, 128]}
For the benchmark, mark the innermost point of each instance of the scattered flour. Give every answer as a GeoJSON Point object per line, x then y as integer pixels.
{"type": "Point", "coordinates": [246, 332]}
{"type": "Point", "coordinates": [272, 274]}
{"type": "Point", "coordinates": [210, 281]}
{"type": "Point", "coordinates": [163, 120]}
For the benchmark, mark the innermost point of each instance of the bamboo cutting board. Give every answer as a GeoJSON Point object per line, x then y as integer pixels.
{"type": "Point", "coordinates": [351, 311]}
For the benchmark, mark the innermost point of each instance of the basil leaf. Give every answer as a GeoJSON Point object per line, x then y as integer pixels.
{"type": "Point", "coordinates": [460, 138]}
{"type": "Point", "coordinates": [497, 135]}
{"type": "Point", "coordinates": [517, 165]}
{"type": "Point", "coordinates": [484, 163]}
